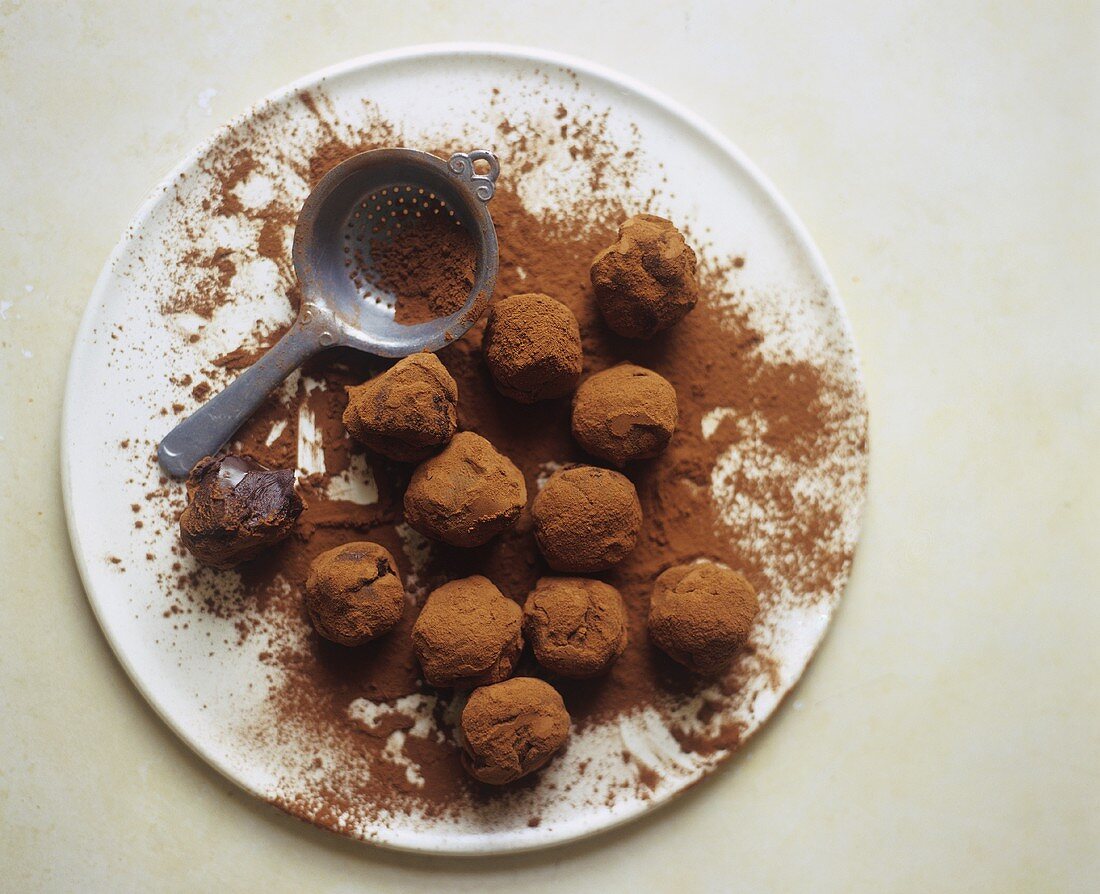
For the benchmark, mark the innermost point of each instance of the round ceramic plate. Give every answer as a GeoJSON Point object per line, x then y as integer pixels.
{"type": "Point", "coordinates": [130, 376]}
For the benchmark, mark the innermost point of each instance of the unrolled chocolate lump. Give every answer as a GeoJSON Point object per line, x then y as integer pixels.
{"type": "Point", "coordinates": [467, 494]}
{"type": "Point", "coordinates": [586, 519]}
{"type": "Point", "coordinates": [532, 346]}
{"type": "Point", "coordinates": [701, 614]}
{"type": "Point", "coordinates": [407, 412]}
{"type": "Point", "coordinates": [512, 729]}
{"type": "Point", "coordinates": [645, 282]}
{"type": "Point", "coordinates": [575, 625]}
{"type": "Point", "coordinates": [236, 508]}
{"type": "Point", "coordinates": [625, 413]}
{"type": "Point", "coordinates": [354, 593]}
{"type": "Point", "coordinates": [468, 634]}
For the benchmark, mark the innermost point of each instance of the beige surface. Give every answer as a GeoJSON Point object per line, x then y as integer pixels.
{"type": "Point", "coordinates": [947, 736]}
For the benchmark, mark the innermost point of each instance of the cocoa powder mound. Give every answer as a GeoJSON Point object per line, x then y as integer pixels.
{"type": "Point", "coordinates": [428, 265]}
{"type": "Point", "coordinates": [730, 393]}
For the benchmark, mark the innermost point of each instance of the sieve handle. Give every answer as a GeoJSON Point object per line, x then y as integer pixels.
{"type": "Point", "coordinates": [207, 430]}
{"type": "Point", "coordinates": [461, 165]}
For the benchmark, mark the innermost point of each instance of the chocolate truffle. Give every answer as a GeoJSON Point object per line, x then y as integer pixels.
{"type": "Point", "coordinates": [532, 346]}
{"type": "Point", "coordinates": [645, 282]}
{"type": "Point", "coordinates": [624, 413]}
{"type": "Point", "coordinates": [467, 494]}
{"type": "Point", "coordinates": [586, 519]}
{"type": "Point", "coordinates": [236, 508]}
{"type": "Point", "coordinates": [406, 413]}
{"type": "Point", "coordinates": [576, 625]}
{"type": "Point", "coordinates": [512, 729]}
{"type": "Point", "coordinates": [468, 634]}
{"type": "Point", "coordinates": [354, 593]}
{"type": "Point", "coordinates": [701, 614]}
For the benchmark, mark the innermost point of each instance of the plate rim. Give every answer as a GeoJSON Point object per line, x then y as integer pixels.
{"type": "Point", "coordinates": [363, 63]}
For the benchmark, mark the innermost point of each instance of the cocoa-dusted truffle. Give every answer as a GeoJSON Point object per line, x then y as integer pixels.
{"type": "Point", "coordinates": [467, 494]}
{"type": "Point", "coordinates": [354, 593]}
{"type": "Point", "coordinates": [532, 346]}
{"type": "Point", "coordinates": [701, 614]}
{"type": "Point", "coordinates": [645, 282]}
{"type": "Point", "coordinates": [512, 729]}
{"type": "Point", "coordinates": [406, 413]}
{"type": "Point", "coordinates": [624, 414]}
{"type": "Point", "coordinates": [468, 634]}
{"type": "Point", "coordinates": [236, 508]}
{"type": "Point", "coordinates": [576, 625]}
{"type": "Point", "coordinates": [586, 519]}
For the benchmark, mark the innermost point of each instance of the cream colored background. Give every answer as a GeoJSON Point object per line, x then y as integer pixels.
{"type": "Point", "coordinates": [947, 737]}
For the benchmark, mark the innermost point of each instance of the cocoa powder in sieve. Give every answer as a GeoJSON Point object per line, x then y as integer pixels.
{"type": "Point", "coordinates": [428, 265]}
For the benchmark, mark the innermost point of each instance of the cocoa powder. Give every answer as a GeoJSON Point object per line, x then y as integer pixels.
{"type": "Point", "coordinates": [428, 265]}
{"type": "Point", "coordinates": [712, 358]}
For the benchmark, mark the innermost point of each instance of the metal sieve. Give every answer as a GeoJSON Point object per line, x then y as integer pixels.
{"type": "Point", "coordinates": [367, 197]}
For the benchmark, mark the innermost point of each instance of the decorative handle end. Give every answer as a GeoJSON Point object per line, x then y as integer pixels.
{"type": "Point", "coordinates": [462, 166]}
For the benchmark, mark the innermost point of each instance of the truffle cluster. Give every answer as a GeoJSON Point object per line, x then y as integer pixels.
{"type": "Point", "coordinates": [468, 635]}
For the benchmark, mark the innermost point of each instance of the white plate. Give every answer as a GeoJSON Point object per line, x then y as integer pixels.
{"type": "Point", "coordinates": [194, 673]}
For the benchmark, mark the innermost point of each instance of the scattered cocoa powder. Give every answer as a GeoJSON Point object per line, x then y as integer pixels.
{"type": "Point", "coordinates": [239, 358]}
{"type": "Point", "coordinates": [211, 276]}
{"type": "Point", "coordinates": [714, 360]}
{"type": "Point", "coordinates": [240, 167]}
